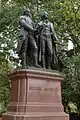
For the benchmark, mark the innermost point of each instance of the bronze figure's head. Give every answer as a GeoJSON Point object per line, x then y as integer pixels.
{"type": "Point", "coordinates": [44, 15]}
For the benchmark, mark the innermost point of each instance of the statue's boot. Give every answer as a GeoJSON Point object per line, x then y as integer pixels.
{"type": "Point", "coordinates": [49, 63]}
{"type": "Point", "coordinates": [43, 61]}
{"type": "Point", "coordinates": [35, 63]}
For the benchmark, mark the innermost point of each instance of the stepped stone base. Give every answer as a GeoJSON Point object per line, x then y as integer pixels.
{"type": "Point", "coordinates": [35, 95]}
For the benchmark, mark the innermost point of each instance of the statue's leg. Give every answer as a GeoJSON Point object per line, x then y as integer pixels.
{"type": "Point", "coordinates": [42, 44]}
{"type": "Point", "coordinates": [50, 53]}
{"type": "Point", "coordinates": [34, 50]}
{"type": "Point", "coordinates": [24, 53]}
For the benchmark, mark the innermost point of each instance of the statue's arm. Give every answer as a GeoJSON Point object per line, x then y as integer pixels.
{"type": "Point", "coordinates": [53, 32]}
{"type": "Point", "coordinates": [39, 27]}
{"type": "Point", "coordinates": [26, 25]}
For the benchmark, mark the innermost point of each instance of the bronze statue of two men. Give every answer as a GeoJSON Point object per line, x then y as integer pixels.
{"type": "Point", "coordinates": [36, 46]}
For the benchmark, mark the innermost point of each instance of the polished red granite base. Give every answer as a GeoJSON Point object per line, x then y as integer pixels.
{"type": "Point", "coordinates": [35, 95]}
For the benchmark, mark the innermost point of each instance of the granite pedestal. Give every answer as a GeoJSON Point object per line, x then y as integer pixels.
{"type": "Point", "coordinates": [35, 95]}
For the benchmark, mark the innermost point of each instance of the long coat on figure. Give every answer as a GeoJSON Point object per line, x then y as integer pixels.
{"type": "Point", "coordinates": [47, 47]}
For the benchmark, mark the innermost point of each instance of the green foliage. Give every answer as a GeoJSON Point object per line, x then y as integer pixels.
{"type": "Point", "coordinates": [5, 69]}
{"type": "Point", "coordinates": [2, 108]}
{"type": "Point", "coordinates": [73, 107]}
{"type": "Point", "coordinates": [71, 85]}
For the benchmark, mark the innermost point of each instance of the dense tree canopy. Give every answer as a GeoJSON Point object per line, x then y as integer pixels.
{"type": "Point", "coordinates": [66, 18]}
